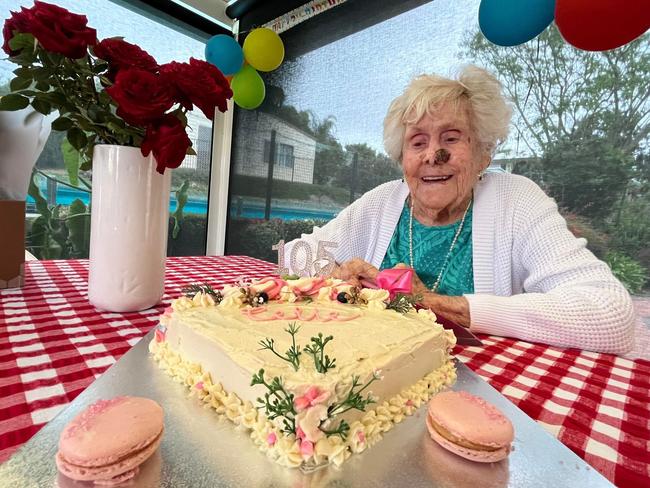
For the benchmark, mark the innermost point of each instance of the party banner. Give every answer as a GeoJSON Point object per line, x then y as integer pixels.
{"type": "Point", "coordinates": [302, 13]}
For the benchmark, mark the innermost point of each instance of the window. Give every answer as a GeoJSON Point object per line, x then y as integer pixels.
{"type": "Point", "coordinates": [285, 157]}
{"type": "Point", "coordinates": [580, 128]}
{"type": "Point", "coordinates": [165, 44]}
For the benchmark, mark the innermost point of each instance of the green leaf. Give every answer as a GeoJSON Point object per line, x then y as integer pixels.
{"type": "Point", "coordinates": [59, 232]}
{"type": "Point", "coordinates": [42, 86]}
{"type": "Point", "coordinates": [38, 238]}
{"type": "Point", "coordinates": [105, 98]}
{"type": "Point", "coordinates": [41, 74]}
{"type": "Point", "coordinates": [71, 160]}
{"type": "Point", "coordinates": [22, 41]}
{"type": "Point", "coordinates": [56, 98]}
{"type": "Point", "coordinates": [41, 106]}
{"type": "Point", "coordinates": [115, 126]}
{"type": "Point", "coordinates": [77, 138]}
{"type": "Point", "coordinates": [19, 83]}
{"type": "Point", "coordinates": [181, 200]}
{"type": "Point", "coordinates": [13, 101]}
{"type": "Point", "coordinates": [28, 93]}
{"type": "Point", "coordinates": [181, 116]}
{"type": "Point", "coordinates": [86, 164]}
{"type": "Point", "coordinates": [41, 203]}
{"type": "Point", "coordinates": [85, 125]}
{"type": "Point", "coordinates": [23, 72]}
{"type": "Point", "coordinates": [79, 228]}
{"type": "Point", "coordinates": [100, 67]}
{"type": "Point", "coordinates": [62, 124]}
{"type": "Point", "coordinates": [190, 151]}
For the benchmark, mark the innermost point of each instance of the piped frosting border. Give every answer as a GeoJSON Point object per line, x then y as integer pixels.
{"type": "Point", "coordinates": [285, 449]}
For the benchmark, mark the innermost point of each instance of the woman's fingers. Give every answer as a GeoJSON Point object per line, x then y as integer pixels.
{"type": "Point", "coordinates": [418, 286]}
{"type": "Point", "coordinates": [356, 271]}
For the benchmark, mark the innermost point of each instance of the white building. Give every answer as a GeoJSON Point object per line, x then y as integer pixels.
{"type": "Point", "coordinates": [295, 150]}
{"type": "Point", "coordinates": [199, 130]}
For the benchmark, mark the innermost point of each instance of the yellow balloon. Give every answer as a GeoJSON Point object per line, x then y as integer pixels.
{"type": "Point", "coordinates": [263, 49]}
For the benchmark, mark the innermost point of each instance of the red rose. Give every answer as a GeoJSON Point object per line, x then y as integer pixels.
{"type": "Point", "coordinates": [141, 96]}
{"type": "Point", "coordinates": [199, 83]}
{"type": "Point", "coordinates": [59, 30]}
{"type": "Point", "coordinates": [13, 25]}
{"type": "Point", "coordinates": [167, 139]}
{"type": "Point", "coordinates": [123, 55]}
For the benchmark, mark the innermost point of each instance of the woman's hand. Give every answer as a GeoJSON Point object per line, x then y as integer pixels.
{"type": "Point", "coordinates": [455, 309]}
{"type": "Point", "coordinates": [418, 287]}
{"type": "Point", "coordinates": [356, 272]}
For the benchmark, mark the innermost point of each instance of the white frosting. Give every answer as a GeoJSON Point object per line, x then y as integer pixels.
{"type": "Point", "coordinates": [286, 449]}
{"type": "Point", "coordinates": [215, 350]}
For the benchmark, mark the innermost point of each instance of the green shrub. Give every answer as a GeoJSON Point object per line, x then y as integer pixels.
{"type": "Point", "coordinates": [254, 186]}
{"type": "Point", "coordinates": [627, 270]}
{"type": "Point", "coordinates": [597, 240]}
{"type": "Point", "coordinates": [255, 237]}
{"type": "Point", "coordinates": [630, 230]}
{"type": "Point", "coordinates": [191, 238]}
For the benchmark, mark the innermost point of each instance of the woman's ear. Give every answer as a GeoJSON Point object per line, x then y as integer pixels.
{"type": "Point", "coordinates": [487, 159]}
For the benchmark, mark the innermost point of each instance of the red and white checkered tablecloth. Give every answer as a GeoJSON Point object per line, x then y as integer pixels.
{"type": "Point", "coordinates": [53, 344]}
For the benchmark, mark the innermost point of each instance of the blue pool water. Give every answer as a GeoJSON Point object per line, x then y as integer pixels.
{"type": "Point", "coordinates": [252, 210]}
{"type": "Point", "coordinates": [66, 195]}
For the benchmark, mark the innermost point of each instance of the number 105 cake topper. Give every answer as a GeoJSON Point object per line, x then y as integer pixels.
{"type": "Point", "coordinates": [322, 265]}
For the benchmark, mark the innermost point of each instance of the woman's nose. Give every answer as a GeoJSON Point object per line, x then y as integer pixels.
{"type": "Point", "coordinates": [437, 156]}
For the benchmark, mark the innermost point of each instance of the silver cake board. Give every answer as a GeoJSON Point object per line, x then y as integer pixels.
{"type": "Point", "coordinates": [200, 449]}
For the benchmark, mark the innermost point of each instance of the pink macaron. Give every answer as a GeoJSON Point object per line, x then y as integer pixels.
{"type": "Point", "coordinates": [469, 426]}
{"type": "Point", "coordinates": [109, 440]}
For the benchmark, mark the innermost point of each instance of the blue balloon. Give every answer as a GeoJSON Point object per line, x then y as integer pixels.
{"type": "Point", "coordinates": [225, 53]}
{"type": "Point", "coordinates": [512, 22]}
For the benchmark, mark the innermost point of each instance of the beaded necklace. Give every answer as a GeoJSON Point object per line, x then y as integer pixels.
{"type": "Point", "coordinates": [451, 248]}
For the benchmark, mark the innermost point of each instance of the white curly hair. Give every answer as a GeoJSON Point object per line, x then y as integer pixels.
{"type": "Point", "coordinates": [474, 88]}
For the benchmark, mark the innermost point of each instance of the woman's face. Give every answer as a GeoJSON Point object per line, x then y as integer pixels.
{"type": "Point", "coordinates": [441, 189]}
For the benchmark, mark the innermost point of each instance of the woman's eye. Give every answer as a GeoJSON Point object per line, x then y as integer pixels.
{"type": "Point", "coordinates": [418, 143]}
{"type": "Point", "coordinates": [451, 137]}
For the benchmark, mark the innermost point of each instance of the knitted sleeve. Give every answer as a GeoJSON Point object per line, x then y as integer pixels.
{"type": "Point", "coordinates": [570, 299]}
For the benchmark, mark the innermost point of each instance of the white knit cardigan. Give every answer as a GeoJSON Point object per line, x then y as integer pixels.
{"type": "Point", "coordinates": [533, 280]}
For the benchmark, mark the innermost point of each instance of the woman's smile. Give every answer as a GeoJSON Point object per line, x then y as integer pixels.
{"type": "Point", "coordinates": [436, 180]}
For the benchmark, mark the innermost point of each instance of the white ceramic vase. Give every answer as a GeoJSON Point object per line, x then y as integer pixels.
{"type": "Point", "coordinates": [23, 133]}
{"type": "Point", "coordinates": [128, 230]}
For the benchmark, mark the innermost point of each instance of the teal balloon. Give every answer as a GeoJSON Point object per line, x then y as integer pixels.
{"type": "Point", "coordinates": [248, 88]}
{"type": "Point", "coordinates": [512, 22]}
{"type": "Point", "coordinates": [225, 53]}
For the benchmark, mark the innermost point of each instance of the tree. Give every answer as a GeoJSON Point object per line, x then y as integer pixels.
{"type": "Point", "coordinates": [330, 155]}
{"type": "Point", "coordinates": [560, 92]}
{"type": "Point", "coordinates": [586, 176]}
{"type": "Point", "coordinates": [583, 116]}
{"type": "Point", "coordinates": [372, 169]}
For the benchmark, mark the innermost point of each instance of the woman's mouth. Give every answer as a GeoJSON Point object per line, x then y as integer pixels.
{"type": "Point", "coordinates": [435, 179]}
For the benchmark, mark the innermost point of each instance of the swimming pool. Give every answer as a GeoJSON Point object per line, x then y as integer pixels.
{"type": "Point", "coordinates": [246, 209]}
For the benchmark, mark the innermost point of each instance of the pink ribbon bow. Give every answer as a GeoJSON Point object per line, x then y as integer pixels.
{"type": "Point", "coordinates": [395, 280]}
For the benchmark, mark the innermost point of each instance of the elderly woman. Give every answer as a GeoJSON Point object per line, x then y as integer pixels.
{"type": "Point", "coordinates": [490, 251]}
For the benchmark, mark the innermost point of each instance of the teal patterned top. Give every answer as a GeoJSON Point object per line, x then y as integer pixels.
{"type": "Point", "coordinates": [430, 247]}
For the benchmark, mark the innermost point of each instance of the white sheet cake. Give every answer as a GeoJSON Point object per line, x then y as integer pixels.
{"type": "Point", "coordinates": [316, 370]}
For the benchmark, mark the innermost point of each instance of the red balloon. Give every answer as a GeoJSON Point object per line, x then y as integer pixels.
{"type": "Point", "coordinates": [599, 25]}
